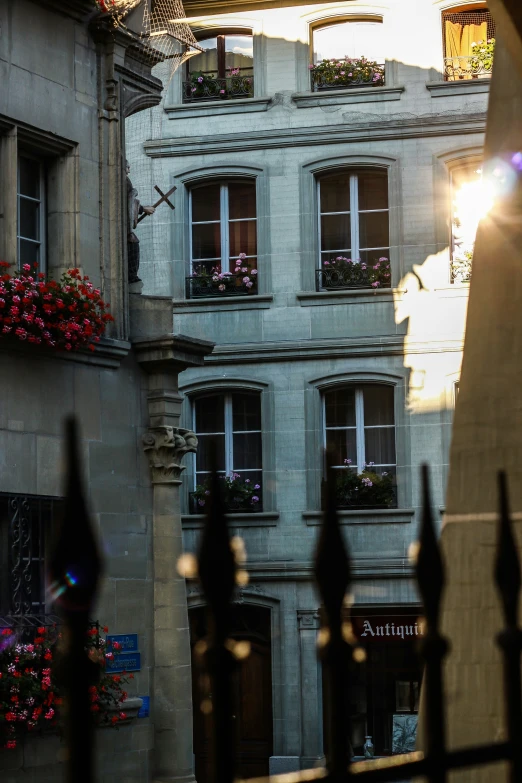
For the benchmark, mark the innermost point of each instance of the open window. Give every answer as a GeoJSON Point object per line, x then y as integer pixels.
{"type": "Point", "coordinates": [347, 53]}
{"type": "Point", "coordinates": [469, 42]}
{"type": "Point", "coordinates": [224, 70]}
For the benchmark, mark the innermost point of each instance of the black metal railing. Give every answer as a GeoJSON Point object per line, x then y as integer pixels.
{"type": "Point", "coordinates": [352, 276]}
{"type": "Point", "coordinates": [199, 286]}
{"type": "Point", "coordinates": [215, 89]}
{"type": "Point", "coordinates": [466, 67]}
{"type": "Point", "coordinates": [370, 77]}
{"type": "Point", "coordinates": [231, 505]}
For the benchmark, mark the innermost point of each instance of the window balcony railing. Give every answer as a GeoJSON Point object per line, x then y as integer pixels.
{"type": "Point", "coordinates": [200, 286]}
{"type": "Point", "coordinates": [340, 78]}
{"type": "Point", "coordinates": [366, 491]}
{"type": "Point", "coordinates": [212, 88]}
{"type": "Point", "coordinates": [232, 505]}
{"type": "Point", "coordinates": [348, 275]}
{"type": "Point", "coordinates": [466, 67]}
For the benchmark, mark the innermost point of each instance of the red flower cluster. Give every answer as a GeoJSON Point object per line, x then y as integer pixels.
{"type": "Point", "coordinates": [68, 314]}
{"type": "Point", "coordinates": [29, 699]}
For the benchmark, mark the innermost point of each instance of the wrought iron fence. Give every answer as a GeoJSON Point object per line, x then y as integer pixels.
{"type": "Point", "coordinates": [466, 67]}
{"type": "Point", "coordinates": [204, 285]}
{"type": "Point", "coordinates": [353, 276]}
{"type": "Point", "coordinates": [370, 77]}
{"type": "Point", "coordinates": [212, 89]}
{"type": "Point", "coordinates": [232, 505]}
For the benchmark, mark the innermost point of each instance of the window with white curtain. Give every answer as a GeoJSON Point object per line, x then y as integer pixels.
{"type": "Point", "coordinates": [359, 425]}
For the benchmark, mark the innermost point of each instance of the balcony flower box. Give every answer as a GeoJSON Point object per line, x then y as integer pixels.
{"type": "Point", "coordinates": [477, 65]}
{"type": "Point", "coordinates": [340, 273]}
{"type": "Point", "coordinates": [336, 74]}
{"type": "Point", "coordinates": [212, 281]}
{"type": "Point", "coordinates": [238, 495]}
{"type": "Point", "coordinates": [209, 87]}
{"type": "Point", "coordinates": [364, 490]}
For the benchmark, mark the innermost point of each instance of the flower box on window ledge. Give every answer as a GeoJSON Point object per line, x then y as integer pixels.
{"type": "Point", "coordinates": [341, 272]}
{"type": "Point", "coordinates": [211, 281]}
{"type": "Point", "coordinates": [350, 72]}
{"type": "Point", "coordinates": [209, 87]}
{"type": "Point", "coordinates": [368, 489]}
{"type": "Point", "coordinates": [239, 495]}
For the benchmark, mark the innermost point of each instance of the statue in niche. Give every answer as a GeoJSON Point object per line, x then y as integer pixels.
{"type": "Point", "coordinates": [135, 213]}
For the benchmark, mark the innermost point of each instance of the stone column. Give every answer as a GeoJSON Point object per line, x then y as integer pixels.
{"type": "Point", "coordinates": [172, 684]}
{"type": "Point", "coordinates": [312, 751]}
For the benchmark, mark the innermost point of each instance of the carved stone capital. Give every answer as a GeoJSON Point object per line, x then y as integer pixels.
{"type": "Point", "coordinates": [308, 619]}
{"type": "Point", "coordinates": [166, 447]}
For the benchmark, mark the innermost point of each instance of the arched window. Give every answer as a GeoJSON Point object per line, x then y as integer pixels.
{"type": "Point", "coordinates": [354, 234]}
{"type": "Point", "coordinates": [359, 435]}
{"type": "Point", "coordinates": [347, 54]}
{"type": "Point", "coordinates": [224, 70]}
{"type": "Point", "coordinates": [232, 420]}
{"type": "Point", "coordinates": [469, 42]}
{"type": "Point", "coordinates": [223, 238]}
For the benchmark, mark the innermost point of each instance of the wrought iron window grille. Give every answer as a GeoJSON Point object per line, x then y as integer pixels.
{"type": "Point", "coordinates": [353, 277]}
{"type": "Point", "coordinates": [201, 286]}
{"type": "Point", "coordinates": [213, 88]}
{"type": "Point", "coordinates": [372, 77]}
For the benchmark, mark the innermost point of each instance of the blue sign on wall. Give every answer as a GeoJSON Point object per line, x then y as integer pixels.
{"type": "Point", "coordinates": [128, 642]}
{"type": "Point", "coordinates": [123, 662]}
{"type": "Point", "coordinates": [145, 707]}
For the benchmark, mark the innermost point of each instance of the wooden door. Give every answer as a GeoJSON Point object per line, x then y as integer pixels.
{"type": "Point", "coordinates": [252, 696]}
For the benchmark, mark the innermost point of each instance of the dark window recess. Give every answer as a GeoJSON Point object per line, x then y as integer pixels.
{"type": "Point", "coordinates": [26, 523]}
{"type": "Point", "coordinates": [225, 69]}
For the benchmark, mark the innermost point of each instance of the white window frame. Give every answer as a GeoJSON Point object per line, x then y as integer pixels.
{"type": "Point", "coordinates": [229, 436]}
{"type": "Point", "coordinates": [42, 212]}
{"type": "Point", "coordinates": [360, 429]}
{"type": "Point", "coordinates": [224, 222]}
{"type": "Point", "coordinates": [354, 223]}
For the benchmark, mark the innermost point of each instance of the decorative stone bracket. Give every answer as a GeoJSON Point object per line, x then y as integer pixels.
{"type": "Point", "coordinates": [166, 447]}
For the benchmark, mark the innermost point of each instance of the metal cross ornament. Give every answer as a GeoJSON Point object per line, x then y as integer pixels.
{"type": "Point", "coordinates": [164, 198]}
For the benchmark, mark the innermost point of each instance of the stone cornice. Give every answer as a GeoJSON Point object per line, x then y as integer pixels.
{"type": "Point", "coordinates": [171, 353]}
{"type": "Point", "coordinates": [281, 351]}
{"type": "Point", "coordinates": [447, 124]}
{"type": "Point", "coordinates": [375, 567]}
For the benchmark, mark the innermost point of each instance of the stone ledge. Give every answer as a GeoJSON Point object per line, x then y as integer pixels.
{"type": "Point", "coordinates": [214, 303]}
{"type": "Point", "coordinates": [461, 87]}
{"type": "Point", "coordinates": [108, 352]}
{"type": "Point", "coordinates": [375, 516]}
{"type": "Point", "coordinates": [245, 519]}
{"type": "Point", "coordinates": [130, 707]}
{"type": "Point", "coordinates": [184, 111]}
{"type": "Point", "coordinates": [347, 296]}
{"type": "Point", "coordinates": [305, 100]}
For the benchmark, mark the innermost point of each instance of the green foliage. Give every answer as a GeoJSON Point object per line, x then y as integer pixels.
{"type": "Point", "coordinates": [482, 55]}
{"type": "Point", "coordinates": [364, 489]}
{"type": "Point", "coordinates": [238, 493]}
{"type": "Point", "coordinates": [461, 267]}
{"type": "Point", "coordinates": [347, 72]}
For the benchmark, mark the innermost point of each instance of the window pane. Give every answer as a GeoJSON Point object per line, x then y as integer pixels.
{"type": "Point", "coordinates": [205, 203]}
{"type": "Point", "coordinates": [239, 53]}
{"type": "Point", "coordinates": [206, 240]}
{"type": "Point", "coordinates": [380, 445]}
{"type": "Point", "coordinates": [335, 232]}
{"type": "Point", "coordinates": [210, 414]}
{"type": "Point", "coordinates": [371, 256]}
{"type": "Point", "coordinates": [373, 229]}
{"type": "Point", "coordinates": [203, 455]}
{"type": "Point", "coordinates": [241, 200]}
{"type": "Point", "coordinates": [349, 39]}
{"type": "Point", "coordinates": [335, 193]}
{"type": "Point", "coordinates": [402, 696]}
{"type": "Point", "coordinates": [29, 219]}
{"type": "Point", "coordinates": [341, 445]}
{"type": "Point", "coordinates": [247, 451]}
{"type": "Point", "coordinates": [243, 238]}
{"type": "Point", "coordinates": [29, 252]}
{"type": "Point", "coordinates": [207, 61]}
{"type": "Point", "coordinates": [373, 190]}
{"type": "Point", "coordinates": [340, 408]}
{"type": "Point", "coordinates": [29, 177]}
{"type": "Point", "coordinates": [246, 412]}
{"type": "Point", "coordinates": [378, 405]}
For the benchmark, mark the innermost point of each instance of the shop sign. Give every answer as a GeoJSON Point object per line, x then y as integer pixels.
{"type": "Point", "coordinates": [387, 628]}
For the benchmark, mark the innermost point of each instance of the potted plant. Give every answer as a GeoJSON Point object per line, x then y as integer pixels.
{"type": "Point", "coordinates": [342, 272]}
{"type": "Point", "coordinates": [366, 489]}
{"type": "Point", "coordinates": [214, 282]}
{"type": "Point", "coordinates": [347, 72]}
{"type": "Point", "coordinates": [482, 58]}
{"type": "Point", "coordinates": [238, 494]}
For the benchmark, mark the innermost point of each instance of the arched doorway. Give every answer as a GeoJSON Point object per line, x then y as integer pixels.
{"type": "Point", "coordinates": [253, 693]}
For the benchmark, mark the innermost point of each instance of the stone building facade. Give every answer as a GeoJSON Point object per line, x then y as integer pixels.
{"type": "Point", "coordinates": [269, 164]}
{"type": "Point", "coordinates": [69, 78]}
